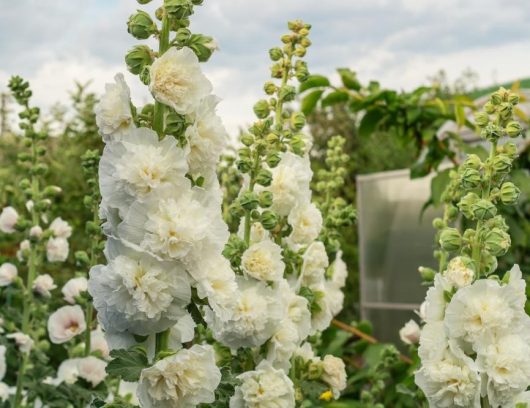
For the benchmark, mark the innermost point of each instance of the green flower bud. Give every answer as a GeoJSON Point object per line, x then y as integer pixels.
{"type": "Point", "coordinates": [269, 219]}
{"type": "Point", "coordinates": [287, 93]}
{"type": "Point", "coordinates": [300, 51]}
{"type": "Point", "coordinates": [264, 177]}
{"type": "Point", "coordinates": [24, 184]}
{"type": "Point", "coordinates": [514, 129]}
{"type": "Point", "coordinates": [438, 223]}
{"type": "Point", "coordinates": [249, 200]}
{"type": "Point", "coordinates": [509, 193]}
{"type": "Point", "coordinates": [297, 120]}
{"type": "Point", "coordinates": [513, 98]}
{"type": "Point", "coordinates": [470, 178]}
{"type": "Point", "coordinates": [141, 26]}
{"type": "Point", "coordinates": [247, 139]}
{"type": "Point", "coordinates": [502, 164]}
{"type": "Point", "coordinates": [138, 57]}
{"type": "Point", "coordinates": [481, 119]}
{"type": "Point", "coordinates": [244, 165]}
{"type": "Point", "coordinates": [262, 109]}
{"type": "Point", "coordinates": [466, 204]}
{"type": "Point", "coordinates": [473, 162]}
{"type": "Point", "coordinates": [265, 199]}
{"type": "Point", "coordinates": [297, 144]}
{"type": "Point", "coordinates": [496, 98]}
{"type": "Point", "coordinates": [287, 38]}
{"type": "Point", "coordinates": [276, 53]}
{"type": "Point", "coordinates": [450, 239]}
{"type": "Point", "coordinates": [273, 159]}
{"type": "Point", "coordinates": [484, 209]}
{"type": "Point", "coordinates": [305, 42]}
{"type": "Point", "coordinates": [488, 263]}
{"type": "Point", "coordinates": [427, 274]}
{"type": "Point", "coordinates": [489, 108]}
{"type": "Point", "coordinates": [302, 73]}
{"type": "Point", "coordinates": [497, 242]}
{"type": "Point", "coordinates": [505, 110]}
{"type": "Point", "coordinates": [269, 88]}
{"type": "Point", "coordinates": [81, 258]}
{"type": "Point", "coordinates": [315, 370]}
{"type": "Point", "coordinates": [182, 35]}
{"type": "Point", "coordinates": [145, 74]}
{"type": "Point", "coordinates": [179, 9]}
{"type": "Point", "coordinates": [277, 71]}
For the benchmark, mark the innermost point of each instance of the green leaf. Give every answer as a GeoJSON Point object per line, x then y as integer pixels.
{"type": "Point", "coordinates": [128, 364]}
{"type": "Point", "coordinates": [310, 101]}
{"type": "Point", "coordinates": [314, 81]}
{"type": "Point", "coordinates": [349, 78]}
{"type": "Point", "coordinates": [460, 115]}
{"type": "Point", "coordinates": [370, 122]}
{"type": "Point", "coordinates": [334, 98]}
{"type": "Point", "coordinates": [438, 185]}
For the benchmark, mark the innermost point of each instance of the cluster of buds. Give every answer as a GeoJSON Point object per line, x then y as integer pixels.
{"type": "Point", "coordinates": [478, 187]}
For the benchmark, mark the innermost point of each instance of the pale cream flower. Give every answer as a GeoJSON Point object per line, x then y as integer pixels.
{"type": "Point", "coordinates": [43, 285]}
{"type": "Point", "coordinates": [113, 112]}
{"type": "Point", "coordinates": [306, 220]}
{"type": "Point", "coordinates": [334, 374]}
{"type": "Point", "coordinates": [23, 341]}
{"type": "Point", "coordinates": [73, 288]}
{"type": "Point", "coordinates": [66, 323]}
{"type": "Point", "coordinates": [92, 370]}
{"type": "Point", "coordinates": [410, 332]}
{"type": "Point", "coordinates": [57, 250]}
{"type": "Point", "coordinates": [8, 220]}
{"type": "Point", "coordinates": [60, 228]}
{"type": "Point", "coordinates": [263, 261]}
{"type": "Point", "coordinates": [8, 273]}
{"type": "Point", "coordinates": [458, 274]}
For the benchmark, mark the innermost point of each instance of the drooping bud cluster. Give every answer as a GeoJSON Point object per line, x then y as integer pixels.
{"type": "Point", "coordinates": [473, 346]}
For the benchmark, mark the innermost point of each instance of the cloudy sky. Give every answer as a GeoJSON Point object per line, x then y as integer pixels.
{"type": "Point", "coordinates": [399, 42]}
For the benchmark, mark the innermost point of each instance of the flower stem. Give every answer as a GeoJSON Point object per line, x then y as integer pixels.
{"type": "Point", "coordinates": [158, 116]}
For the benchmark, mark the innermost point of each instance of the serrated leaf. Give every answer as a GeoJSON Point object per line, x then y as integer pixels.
{"type": "Point", "coordinates": [310, 101]}
{"type": "Point", "coordinates": [314, 81]}
{"type": "Point", "coordinates": [128, 364]}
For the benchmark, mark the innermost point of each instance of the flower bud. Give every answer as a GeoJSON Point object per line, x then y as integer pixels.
{"type": "Point", "coordinates": [497, 242]}
{"type": "Point", "coordinates": [179, 9]}
{"type": "Point", "coordinates": [249, 200]}
{"type": "Point", "coordinates": [287, 93]}
{"type": "Point", "coordinates": [182, 35]}
{"type": "Point", "coordinates": [505, 110]}
{"type": "Point", "coordinates": [297, 120]}
{"type": "Point", "coordinates": [514, 129]}
{"type": "Point", "coordinates": [509, 193]}
{"type": "Point", "coordinates": [460, 271]}
{"type": "Point", "coordinates": [297, 144]}
{"type": "Point", "coordinates": [141, 26]}
{"type": "Point", "coordinates": [273, 159]}
{"type": "Point", "coordinates": [483, 209]}
{"type": "Point", "coordinates": [264, 178]}
{"type": "Point", "coordinates": [450, 239]}
{"type": "Point", "coordinates": [502, 164]}
{"type": "Point", "coordinates": [265, 199]}
{"type": "Point", "coordinates": [35, 231]}
{"type": "Point", "coordinates": [275, 53]}
{"type": "Point", "coordinates": [269, 88]}
{"type": "Point", "coordinates": [262, 109]}
{"type": "Point", "coordinates": [496, 97]}
{"type": "Point", "coordinates": [488, 262]}
{"type": "Point", "coordinates": [247, 139]}
{"type": "Point", "coordinates": [470, 178]}
{"type": "Point", "coordinates": [438, 223]}
{"type": "Point", "coordinates": [481, 119]}
{"type": "Point", "coordinates": [138, 57]}
{"type": "Point", "coordinates": [300, 51]}
{"type": "Point", "coordinates": [473, 162]}
{"type": "Point", "coordinates": [466, 203]}
{"type": "Point", "coordinates": [269, 219]}
{"type": "Point", "coordinates": [427, 274]}
{"type": "Point", "coordinates": [489, 107]}
{"type": "Point", "coordinates": [513, 98]}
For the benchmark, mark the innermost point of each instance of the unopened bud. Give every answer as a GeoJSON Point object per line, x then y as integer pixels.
{"type": "Point", "coordinates": [179, 9]}
{"type": "Point", "coordinates": [297, 120]}
{"type": "Point", "coordinates": [450, 239]}
{"type": "Point", "coordinates": [275, 53]}
{"type": "Point", "coordinates": [509, 193]}
{"type": "Point", "coordinates": [470, 178]}
{"type": "Point", "coordinates": [141, 26]}
{"type": "Point", "coordinates": [269, 220]}
{"type": "Point", "coordinates": [265, 199]}
{"type": "Point", "coordinates": [466, 204]}
{"type": "Point", "coordinates": [484, 209]}
{"type": "Point", "coordinates": [481, 119]}
{"type": "Point", "coordinates": [514, 129]}
{"type": "Point", "coordinates": [264, 178]}
{"type": "Point", "coordinates": [138, 57]}
{"type": "Point", "coordinates": [497, 241]}
{"type": "Point", "coordinates": [249, 200]}
{"type": "Point", "coordinates": [262, 109]}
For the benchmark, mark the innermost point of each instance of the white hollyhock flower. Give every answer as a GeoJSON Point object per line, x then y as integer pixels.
{"type": "Point", "coordinates": [92, 370]}
{"type": "Point", "coordinates": [177, 80]}
{"type": "Point", "coordinates": [113, 112]}
{"type": "Point", "coordinates": [35, 231]}
{"type": "Point", "coordinates": [334, 298]}
{"type": "Point", "coordinates": [8, 220]}
{"type": "Point", "coordinates": [263, 261]}
{"type": "Point", "coordinates": [185, 379]}
{"type": "Point", "coordinates": [206, 137]}
{"type": "Point", "coordinates": [478, 310]}
{"type": "Point", "coordinates": [339, 271]}
{"type": "Point", "coordinates": [315, 262]}
{"type": "Point", "coordinates": [175, 227]}
{"type": "Point", "coordinates": [139, 164]}
{"type": "Point", "coordinates": [73, 288]}
{"type": "Point", "coordinates": [99, 343]}
{"type": "Point", "coordinates": [60, 228]}
{"type": "Point", "coordinates": [297, 311]}
{"type": "Point", "coordinates": [216, 279]}
{"type": "Point", "coordinates": [450, 382]}
{"type": "Point", "coordinates": [522, 398]}
{"type": "Point", "coordinates": [282, 345]}
{"type": "Point", "coordinates": [57, 250]}
{"type": "Point", "coordinates": [182, 332]}
{"type": "Point", "coordinates": [306, 220]}
{"type": "Point", "coordinates": [137, 293]}
{"type": "Point", "coordinates": [23, 341]}
{"type": "Point", "coordinates": [458, 274]}
{"type": "Point", "coordinates": [334, 374]}
{"type": "Point", "coordinates": [43, 285]}
{"type": "Point", "coordinates": [290, 183]}
{"type": "Point", "coordinates": [67, 372]}
{"type": "Point", "coordinates": [66, 323]}
{"type": "Point", "coordinates": [250, 318]}
{"type": "Point", "coordinates": [264, 387]}
{"type": "Point", "coordinates": [8, 274]}
{"type": "Point", "coordinates": [433, 342]}
{"type": "Point", "coordinates": [23, 247]}
{"type": "Point", "coordinates": [321, 318]}
{"type": "Point", "coordinates": [410, 332]}
{"type": "Point", "coordinates": [506, 363]}
{"type": "Point", "coordinates": [3, 366]}
{"type": "Point", "coordinates": [435, 301]}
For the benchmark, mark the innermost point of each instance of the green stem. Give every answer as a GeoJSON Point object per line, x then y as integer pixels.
{"type": "Point", "coordinates": [93, 261]}
{"type": "Point", "coordinates": [162, 341]}
{"type": "Point", "coordinates": [20, 379]}
{"type": "Point", "coordinates": [158, 116]}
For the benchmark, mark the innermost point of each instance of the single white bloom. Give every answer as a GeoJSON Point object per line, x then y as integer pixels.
{"type": "Point", "coordinates": [99, 343]}
{"type": "Point", "coordinates": [138, 165]}
{"type": "Point", "coordinates": [43, 285]}
{"type": "Point", "coordinates": [23, 341]}
{"type": "Point", "coordinates": [66, 323]}
{"type": "Point", "coordinates": [73, 288]}
{"type": "Point", "coordinates": [410, 332]}
{"type": "Point", "coordinates": [57, 250]}
{"type": "Point", "coordinates": [60, 228]}
{"type": "Point", "coordinates": [506, 363]}
{"type": "Point", "coordinates": [137, 293]}
{"type": "Point", "coordinates": [35, 231]}
{"type": "Point", "coordinates": [315, 262]}
{"type": "Point", "coordinates": [92, 370]}
{"type": "Point", "coordinates": [290, 183]}
{"type": "Point", "coordinates": [8, 220]}
{"type": "Point", "coordinates": [207, 138]}
{"type": "Point", "coordinates": [306, 220]}
{"type": "Point", "coordinates": [250, 318]}
{"type": "Point", "coordinates": [68, 371]}
{"type": "Point", "coordinates": [450, 382]}
{"type": "Point", "coordinates": [458, 274]}
{"type": "Point", "coordinates": [8, 273]}
{"type": "Point", "coordinates": [264, 387]}
{"type": "Point", "coordinates": [185, 379]}
{"type": "Point", "coordinates": [3, 366]}
{"type": "Point", "coordinates": [113, 112]}
{"type": "Point", "coordinates": [263, 261]}
{"type": "Point", "coordinates": [177, 80]}
{"type": "Point", "coordinates": [334, 374]}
